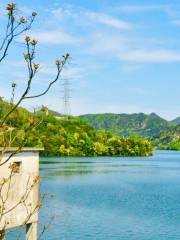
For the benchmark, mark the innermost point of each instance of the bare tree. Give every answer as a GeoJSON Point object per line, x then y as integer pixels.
{"type": "Point", "coordinates": [15, 27]}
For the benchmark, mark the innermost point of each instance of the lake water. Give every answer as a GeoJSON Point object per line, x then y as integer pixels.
{"type": "Point", "coordinates": [112, 198]}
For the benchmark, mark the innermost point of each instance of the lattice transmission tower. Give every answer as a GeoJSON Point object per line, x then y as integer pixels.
{"type": "Point", "coordinates": [66, 109]}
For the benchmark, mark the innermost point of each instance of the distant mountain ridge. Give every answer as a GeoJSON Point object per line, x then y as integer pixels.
{"type": "Point", "coordinates": [146, 125]}
{"type": "Point", "coordinates": [176, 121]}
{"type": "Point", "coordinates": [55, 113]}
{"type": "Point", "coordinates": [163, 134]}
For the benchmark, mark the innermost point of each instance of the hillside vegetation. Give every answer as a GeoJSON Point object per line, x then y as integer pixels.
{"type": "Point", "coordinates": [69, 137]}
{"type": "Point", "coordinates": [170, 140]}
{"type": "Point", "coordinates": [163, 134]}
{"type": "Point", "coordinates": [130, 124]}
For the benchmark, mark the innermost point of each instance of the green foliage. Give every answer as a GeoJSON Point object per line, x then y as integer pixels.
{"type": "Point", "coordinates": [163, 134]}
{"type": "Point", "coordinates": [70, 137]}
{"type": "Point", "coordinates": [174, 145]}
{"type": "Point", "coordinates": [170, 140]}
{"type": "Point", "coordinates": [149, 126]}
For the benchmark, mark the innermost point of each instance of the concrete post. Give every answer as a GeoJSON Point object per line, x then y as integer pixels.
{"type": "Point", "coordinates": [31, 231]}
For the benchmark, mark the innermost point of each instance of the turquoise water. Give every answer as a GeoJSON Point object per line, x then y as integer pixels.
{"type": "Point", "coordinates": [112, 198]}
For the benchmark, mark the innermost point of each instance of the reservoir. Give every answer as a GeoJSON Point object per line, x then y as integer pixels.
{"type": "Point", "coordinates": [111, 198]}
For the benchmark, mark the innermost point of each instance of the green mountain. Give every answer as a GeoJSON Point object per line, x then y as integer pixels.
{"type": "Point", "coordinates": [70, 136]}
{"type": "Point", "coordinates": [170, 140]}
{"type": "Point", "coordinates": [163, 134]}
{"type": "Point", "coordinates": [149, 126]}
{"type": "Point", "coordinates": [56, 114]}
{"type": "Point", "coordinates": [176, 121]}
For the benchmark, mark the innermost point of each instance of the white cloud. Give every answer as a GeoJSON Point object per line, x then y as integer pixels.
{"type": "Point", "coordinates": [108, 20]}
{"type": "Point", "coordinates": [55, 37]}
{"type": "Point", "coordinates": [131, 68]}
{"type": "Point", "coordinates": [103, 43]}
{"type": "Point", "coordinates": [68, 72]}
{"type": "Point", "coordinates": [61, 13]}
{"type": "Point", "coordinates": [176, 22]}
{"type": "Point", "coordinates": [131, 49]}
{"type": "Point", "coordinates": [154, 56]}
{"type": "Point", "coordinates": [24, 10]}
{"type": "Point", "coordinates": [86, 15]}
{"type": "Point", "coordinates": [72, 73]}
{"type": "Point", "coordinates": [142, 8]}
{"type": "Point", "coordinates": [172, 11]}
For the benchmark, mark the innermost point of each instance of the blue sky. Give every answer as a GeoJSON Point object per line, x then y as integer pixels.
{"type": "Point", "coordinates": [125, 55]}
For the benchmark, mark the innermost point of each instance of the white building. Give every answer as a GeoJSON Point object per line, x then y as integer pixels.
{"type": "Point", "coordinates": [19, 190]}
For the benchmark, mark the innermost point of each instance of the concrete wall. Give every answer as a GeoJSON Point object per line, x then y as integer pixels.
{"type": "Point", "coordinates": [18, 186]}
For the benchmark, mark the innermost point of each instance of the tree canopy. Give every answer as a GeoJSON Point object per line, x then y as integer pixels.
{"type": "Point", "coordinates": [69, 137]}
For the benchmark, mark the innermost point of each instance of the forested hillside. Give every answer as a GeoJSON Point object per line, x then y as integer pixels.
{"type": "Point", "coordinates": [163, 134]}
{"type": "Point", "coordinates": [170, 140]}
{"type": "Point", "coordinates": [149, 126]}
{"type": "Point", "coordinates": [176, 121]}
{"type": "Point", "coordinates": [68, 137]}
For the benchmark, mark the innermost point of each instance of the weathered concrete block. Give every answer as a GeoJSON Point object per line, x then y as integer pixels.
{"type": "Point", "coordinates": [19, 188]}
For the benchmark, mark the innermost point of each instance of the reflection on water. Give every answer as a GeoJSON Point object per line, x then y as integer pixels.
{"type": "Point", "coordinates": [91, 167]}
{"type": "Point", "coordinates": [112, 198]}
